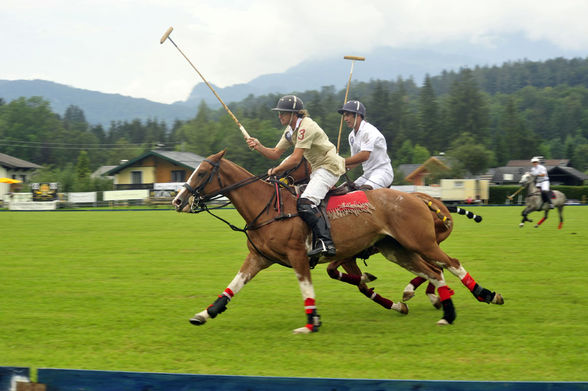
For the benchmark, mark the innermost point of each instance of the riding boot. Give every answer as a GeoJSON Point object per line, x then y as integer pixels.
{"type": "Point", "coordinates": [545, 196]}
{"type": "Point", "coordinates": [313, 217]}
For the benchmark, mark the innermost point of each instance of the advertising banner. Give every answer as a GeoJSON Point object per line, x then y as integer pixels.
{"type": "Point", "coordinates": [123, 195]}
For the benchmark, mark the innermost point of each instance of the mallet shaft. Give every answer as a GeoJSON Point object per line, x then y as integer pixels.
{"type": "Point", "coordinates": [353, 59]}
{"type": "Point", "coordinates": [167, 37]}
{"type": "Point", "coordinates": [515, 193]}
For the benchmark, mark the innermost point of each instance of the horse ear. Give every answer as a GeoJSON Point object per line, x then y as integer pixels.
{"type": "Point", "coordinates": [218, 156]}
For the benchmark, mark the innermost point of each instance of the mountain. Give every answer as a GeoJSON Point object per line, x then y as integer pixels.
{"type": "Point", "coordinates": [98, 107]}
{"type": "Point", "coordinates": [384, 63]}
{"type": "Point", "coordinates": [387, 63]}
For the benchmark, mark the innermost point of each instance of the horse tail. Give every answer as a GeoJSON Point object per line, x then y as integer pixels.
{"type": "Point", "coordinates": [461, 211]}
{"type": "Point", "coordinates": [435, 209]}
{"type": "Point", "coordinates": [445, 219]}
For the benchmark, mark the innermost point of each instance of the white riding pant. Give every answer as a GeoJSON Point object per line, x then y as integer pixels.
{"type": "Point", "coordinates": [376, 179]}
{"type": "Point", "coordinates": [320, 183]}
{"type": "Point", "coordinates": [544, 186]}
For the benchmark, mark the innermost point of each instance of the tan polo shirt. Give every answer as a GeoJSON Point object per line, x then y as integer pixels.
{"type": "Point", "coordinates": [318, 150]}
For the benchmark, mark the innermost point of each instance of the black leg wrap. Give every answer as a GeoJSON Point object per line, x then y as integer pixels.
{"type": "Point", "coordinates": [449, 313]}
{"type": "Point", "coordinates": [219, 306]}
{"type": "Point", "coordinates": [315, 320]}
{"type": "Point", "coordinates": [483, 294]}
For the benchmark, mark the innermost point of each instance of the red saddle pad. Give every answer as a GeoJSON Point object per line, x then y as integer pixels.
{"type": "Point", "coordinates": [348, 201]}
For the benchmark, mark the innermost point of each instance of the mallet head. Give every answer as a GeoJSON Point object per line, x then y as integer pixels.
{"type": "Point", "coordinates": [356, 58]}
{"type": "Point", "coordinates": [166, 34]}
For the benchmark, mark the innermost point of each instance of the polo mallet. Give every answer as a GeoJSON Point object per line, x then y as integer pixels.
{"type": "Point", "coordinates": [165, 37]}
{"type": "Point", "coordinates": [353, 59]}
{"type": "Point", "coordinates": [515, 193]}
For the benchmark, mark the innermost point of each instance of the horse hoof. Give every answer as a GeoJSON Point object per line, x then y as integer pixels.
{"type": "Point", "coordinates": [367, 277]}
{"type": "Point", "coordinates": [537, 226]}
{"type": "Point", "coordinates": [408, 292]}
{"type": "Point", "coordinates": [435, 300]}
{"type": "Point", "coordinates": [400, 307]}
{"type": "Point", "coordinates": [442, 322]}
{"type": "Point", "coordinates": [498, 299]}
{"type": "Point", "coordinates": [407, 295]}
{"type": "Point", "coordinates": [198, 320]}
{"type": "Point", "coordinates": [302, 330]}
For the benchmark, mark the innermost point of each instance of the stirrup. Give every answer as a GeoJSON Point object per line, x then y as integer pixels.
{"type": "Point", "coordinates": [321, 248]}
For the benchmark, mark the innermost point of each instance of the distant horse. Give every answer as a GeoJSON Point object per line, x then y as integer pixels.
{"type": "Point", "coordinates": [399, 225]}
{"type": "Point", "coordinates": [533, 201]}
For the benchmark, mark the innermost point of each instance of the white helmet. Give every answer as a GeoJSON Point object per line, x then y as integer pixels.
{"type": "Point", "coordinates": [535, 160]}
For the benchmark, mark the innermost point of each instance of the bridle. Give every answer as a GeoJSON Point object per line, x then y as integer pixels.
{"type": "Point", "coordinates": [199, 201]}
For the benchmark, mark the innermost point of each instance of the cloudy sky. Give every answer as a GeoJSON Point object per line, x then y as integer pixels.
{"type": "Point", "coordinates": [113, 45]}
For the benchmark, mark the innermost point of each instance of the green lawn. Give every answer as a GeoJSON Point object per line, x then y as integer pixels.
{"type": "Point", "coordinates": [115, 290]}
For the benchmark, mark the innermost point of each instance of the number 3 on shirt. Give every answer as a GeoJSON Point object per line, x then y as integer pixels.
{"type": "Point", "coordinates": [301, 134]}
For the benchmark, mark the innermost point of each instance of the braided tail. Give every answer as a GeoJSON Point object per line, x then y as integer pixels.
{"type": "Point", "coordinates": [470, 215]}
{"type": "Point", "coordinates": [437, 211]}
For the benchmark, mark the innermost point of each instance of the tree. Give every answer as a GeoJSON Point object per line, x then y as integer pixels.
{"type": "Point", "coordinates": [420, 154]}
{"type": "Point", "coordinates": [74, 119]}
{"type": "Point", "coordinates": [467, 108]}
{"type": "Point", "coordinates": [83, 166]}
{"type": "Point", "coordinates": [429, 131]}
{"type": "Point", "coordinates": [519, 142]}
{"type": "Point", "coordinates": [472, 156]}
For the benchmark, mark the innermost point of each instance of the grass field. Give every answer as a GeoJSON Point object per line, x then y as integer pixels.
{"type": "Point", "coordinates": [115, 290]}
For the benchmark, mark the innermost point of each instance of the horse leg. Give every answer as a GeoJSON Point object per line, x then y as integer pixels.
{"type": "Point", "coordinates": [249, 269]}
{"type": "Point", "coordinates": [560, 211]}
{"type": "Point", "coordinates": [409, 289]}
{"type": "Point", "coordinates": [414, 263]}
{"type": "Point", "coordinates": [433, 298]}
{"type": "Point", "coordinates": [435, 255]}
{"type": "Point", "coordinates": [525, 213]}
{"type": "Point", "coordinates": [354, 276]}
{"type": "Point", "coordinates": [542, 219]}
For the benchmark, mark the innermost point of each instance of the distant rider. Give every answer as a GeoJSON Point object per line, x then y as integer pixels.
{"type": "Point", "coordinates": [541, 181]}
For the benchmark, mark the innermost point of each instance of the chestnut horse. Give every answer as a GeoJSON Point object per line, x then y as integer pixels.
{"type": "Point", "coordinates": [400, 226]}
{"type": "Point", "coordinates": [443, 228]}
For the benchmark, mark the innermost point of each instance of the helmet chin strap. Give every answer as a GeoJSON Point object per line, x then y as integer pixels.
{"type": "Point", "coordinates": [355, 124]}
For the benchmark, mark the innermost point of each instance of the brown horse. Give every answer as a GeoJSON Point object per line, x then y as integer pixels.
{"type": "Point", "coordinates": [399, 225]}
{"type": "Point", "coordinates": [443, 228]}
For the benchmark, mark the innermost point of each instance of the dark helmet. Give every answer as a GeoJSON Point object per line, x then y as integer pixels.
{"type": "Point", "coordinates": [289, 103]}
{"type": "Point", "coordinates": [353, 106]}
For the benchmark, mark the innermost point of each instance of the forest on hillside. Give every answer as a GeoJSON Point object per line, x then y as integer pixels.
{"type": "Point", "coordinates": [479, 118]}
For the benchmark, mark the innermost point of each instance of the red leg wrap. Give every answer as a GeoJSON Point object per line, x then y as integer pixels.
{"type": "Point", "coordinates": [309, 305]}
{"type": "Point", "coordinates": [417, 281]}
{"type": "Point", "coordinates": [229, 293]}
{"type": "Point", "coordinates": [386, 303]}
{"type": "Point", "coordinates": [469, 282]}
{"type": "Point", "coordinates": [541, 221]}
{"type": "Point", "coordinates": [445, 292]}
{"type": "Point", "coordinates": [430, 288]}
{"type": "Point", "coordinates": [350, 279]}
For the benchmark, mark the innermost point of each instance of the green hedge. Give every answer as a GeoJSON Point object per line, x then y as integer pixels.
{"type": "Point", "coordinates": [498, 194]}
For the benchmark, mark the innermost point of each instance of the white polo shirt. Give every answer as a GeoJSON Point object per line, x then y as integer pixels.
{"type": "Point", "coordinates": [538, 170]}
{"type": "Point", "coordinates": [368, 138]}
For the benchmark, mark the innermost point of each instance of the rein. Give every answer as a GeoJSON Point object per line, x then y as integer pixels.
{"type": "Point", "coordinates": [199, 205]}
